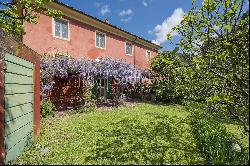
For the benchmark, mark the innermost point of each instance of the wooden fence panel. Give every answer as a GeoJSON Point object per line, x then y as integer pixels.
{"type": "Point", "coordinates": [19, 97]}
{"type": "Point", "coordinates": [18, 124]}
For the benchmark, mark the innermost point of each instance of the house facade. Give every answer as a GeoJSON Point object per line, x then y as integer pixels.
{"type": "Point", "coordinates": [78, 34]}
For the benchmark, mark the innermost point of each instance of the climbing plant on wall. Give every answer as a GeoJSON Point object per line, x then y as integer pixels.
{"type": "Point", "coordinates": [64, 66]}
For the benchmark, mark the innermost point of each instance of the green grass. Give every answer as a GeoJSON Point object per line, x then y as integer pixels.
{"type": "Point", "coordinates": [143, 134]}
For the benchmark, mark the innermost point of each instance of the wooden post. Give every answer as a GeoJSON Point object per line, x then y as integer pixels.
{"type": "Point", "coordinates": [2, 146]}
{"type": "Point", "coordinates": [36, 115]}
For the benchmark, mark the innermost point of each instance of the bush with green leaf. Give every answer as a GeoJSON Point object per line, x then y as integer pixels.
{"type": "Point", "coordinates": [46, 108]}
{"type": "Point", "coordinates": [89, 101]}
{"type": "Point", "coordinates": [218, 145]}
{"type": "Point", "coordinates": [88, 96]}
{"type": "Point", "coordinates": [174, 76]}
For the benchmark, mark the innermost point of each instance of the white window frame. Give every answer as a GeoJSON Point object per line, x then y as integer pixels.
{"type": "Point", "coordinates": [132, 53]}
{"type": "Point", "coordinates": [104, 39]}
{"type": "Point", "coordinates": [53, 29]}
{"type": "Point", "coordinates": [147, 51]}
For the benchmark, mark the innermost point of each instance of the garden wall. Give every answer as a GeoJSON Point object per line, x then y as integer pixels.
{"type": "Point", "coordinates": [68, 92]}
{"type": "Point", "coordinates": [65, 92]}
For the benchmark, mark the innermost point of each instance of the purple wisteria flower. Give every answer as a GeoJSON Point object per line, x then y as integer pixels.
{"type": "Point", "coordinates": [64, 66]}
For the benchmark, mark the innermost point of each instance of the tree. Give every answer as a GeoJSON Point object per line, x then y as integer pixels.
{"type": "Point", "coordinates": [169, 86]}
{"type": "Point", "coordinates": [14, 12]}
{"type": "Point", "coordinates": [215, 44]}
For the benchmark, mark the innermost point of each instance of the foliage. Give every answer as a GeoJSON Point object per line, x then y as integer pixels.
{"type": "Point", "coordinates": [218, 145]}
{"type": "Point", "coordinates": [147, 85]}
{"type": "Point", "coordinates": [12, 17]}
{"type": "Point", "coordinates": [173, 77]}
{"type": "Point", "coordinates": [89, 101]}
{"type": "Point", "coordinates": [143, 90]}
{"type": "Point", "coordinates": [120, 100]}
{"type": "Point", "coordinates": [214, 49]}
{"type": "Point", "coordinates": [46, 108]}
{"type": "Point", "coordinates": [88, 96]}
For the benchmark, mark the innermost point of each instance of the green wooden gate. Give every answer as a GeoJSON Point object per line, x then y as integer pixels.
{"type": "Point", "coordinates": [19, 98]}
{"type": "Point", "coordinates": [102, 88]}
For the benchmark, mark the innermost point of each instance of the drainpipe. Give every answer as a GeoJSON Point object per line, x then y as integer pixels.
{"type": "Point", "coordinates": [134, 49]}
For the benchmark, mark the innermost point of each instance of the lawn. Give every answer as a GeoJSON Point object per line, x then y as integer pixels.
{"type": "Point", "coordinates": [140, 134]}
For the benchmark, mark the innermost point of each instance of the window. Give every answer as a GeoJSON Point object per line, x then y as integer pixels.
{"type": "Point", "coordinates": [100, 40]}
{"type": "Point", "coordinates": [129, 48]}
{"type": "Point", "coordinates": [148, 55]}
{"type": "Point", "coordinates": [61, 28]}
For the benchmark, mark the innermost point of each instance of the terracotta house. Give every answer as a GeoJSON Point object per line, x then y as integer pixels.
{"type": "Point", "coordinates": [81, 35]}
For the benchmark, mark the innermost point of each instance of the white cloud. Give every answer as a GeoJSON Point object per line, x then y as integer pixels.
{"type": "Point", "coordinates": [150, 32]}
{"type": "Point", "coordinates": [165, 28]}
{"type": "Point", "coordinates": [125, 13]}
{"type": "Point", "coordinates": [105, 10]}
{"type": "Point", "coordinates": [126, 19]}
{"type": "Point", "coordinates": [144, 3]}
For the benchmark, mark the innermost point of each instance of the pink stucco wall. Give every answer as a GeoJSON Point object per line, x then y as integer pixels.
{"type": "Point", "coordinates": [40, 38]}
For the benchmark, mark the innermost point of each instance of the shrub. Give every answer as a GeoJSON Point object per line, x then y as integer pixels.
{"type": "Point", "coordinates": [173, 79]}
{"type": "Point", "coordinates": [218, 145]}
{"type": "Point", "coordinates": [121, 100]}
{"type": "Point", "coordinates": [87, 93]}
{"type": "Point", "coordinates": [46, 108]}
{"type": "Point", "coordinates": [143, 90]}
{"type": "Point", "coordinates": [88, 97]}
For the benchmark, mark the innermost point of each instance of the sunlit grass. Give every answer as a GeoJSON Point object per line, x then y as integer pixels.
{"type": "Point", "coordinates": [142, 134]}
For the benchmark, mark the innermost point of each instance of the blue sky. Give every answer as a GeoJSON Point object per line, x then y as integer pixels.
{"type": "Point", "coordinates": [150, 19]}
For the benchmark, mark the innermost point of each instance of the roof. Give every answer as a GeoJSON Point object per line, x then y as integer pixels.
{"type": "Point", "coordinates": [108, 24]}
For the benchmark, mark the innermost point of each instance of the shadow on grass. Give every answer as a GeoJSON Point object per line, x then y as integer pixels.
{"type": "Point", "coordinates": [155, 103]}
{"type": "Point", "coordinates": [162, 141]}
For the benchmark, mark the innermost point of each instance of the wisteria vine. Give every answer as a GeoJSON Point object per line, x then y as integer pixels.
{"type": "Point", "coordinates": [64, 66]}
